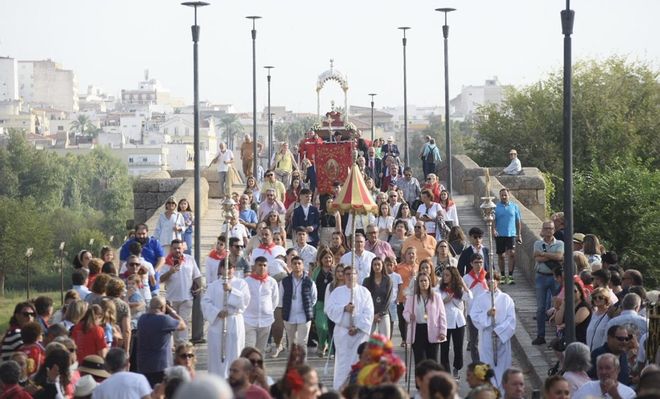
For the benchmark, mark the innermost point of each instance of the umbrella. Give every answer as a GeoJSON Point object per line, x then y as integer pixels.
{"type": "Point", "coordinates": [354, 199]}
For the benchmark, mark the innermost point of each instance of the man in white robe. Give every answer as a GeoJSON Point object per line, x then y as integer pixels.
{"type": "Point", "coordinates": [217, 314]}
{"type": "Point", "coordinates": [353, 318]}
{"type": "Point", "coordinates": [504, 311]}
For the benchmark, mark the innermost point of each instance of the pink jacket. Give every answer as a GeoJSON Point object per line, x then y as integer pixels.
{"type": "Point", "coordinates": [436, 322]}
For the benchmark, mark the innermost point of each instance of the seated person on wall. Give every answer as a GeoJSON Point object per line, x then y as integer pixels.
{"type": "Point", "coordinates": [515, 167]}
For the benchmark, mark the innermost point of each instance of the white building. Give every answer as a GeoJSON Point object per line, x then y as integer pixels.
{"type": "Point", "coordinates": [150, 92]}
{"type": "Point", "coordinates": [46, 84]}
{"type": "Point", "coordinates": [180, 129]}
{"type": "Point", "coordinates": [8, 79]}
{"type": "Point", "coordinates": [471, 97]}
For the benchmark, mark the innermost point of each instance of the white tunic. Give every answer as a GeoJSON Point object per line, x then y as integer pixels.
{"type": "Point", "coordinates": [212, 304]}
{"type": "Point", "coordinates": [505, 328]}
{"type": "Point", "coordinates": [363, 316]}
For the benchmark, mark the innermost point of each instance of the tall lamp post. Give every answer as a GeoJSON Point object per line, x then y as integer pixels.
{"type": "Point", "coordinates": [445, 35]}
{"type": "Point", "coordinates": [405, 98]}
{"type": "Point", "coordinates": [254, 19]}
{"type": "Point", "coordinates": [567, 18]}
{"type": "Point", "coordinates": [270, 121]}
{"type": "Point", "coordinates": [372, 116]}
{"type": "Point", "coordinates": [197, 319]}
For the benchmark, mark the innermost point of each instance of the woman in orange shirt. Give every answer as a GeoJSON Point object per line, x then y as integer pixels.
{"type": "Point", "coordinates": [407, 270]}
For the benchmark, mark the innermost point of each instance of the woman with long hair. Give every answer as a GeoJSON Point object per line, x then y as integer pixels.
{"type": "Point", "coordinates": [322, 275]}
{"type": "Point", "coordinates": [429, 212]}
{"type": "Point", "coordinates": [284, 163]}
{"type": "Point", "coordinates": [371, 188]}
{"type": "Point", "coordinates": [81, 260]}
{"type": "Point", "coordinates": [189, 222]}
{"type": "Point", "coordinates": [455, 294]}
{"type": "Point", "coordinates": [24, 312]}
{"type": "Point", "coordinates": [379, 285]}
{"type": "Point", "coordinates": [330, 222]}
{"type": "Point", "coordinates": [56, 373]}
{"type": "Point", "coordinates": [75, 311]}
{"type": "Point", "coordinates": [582, 311]}
{"type": "Point", "coordinates": [591, 249]}
{"type": "Point", "coordinates": [404, 213]}
{"type": "Point", "coordinates": [425, 266]}
{"type": "Point", "coordinates": [425, 311]}
{"type": "Point", "coordinates": [170, 225]}
{"type": "Point", "coordinates": [443, 258]}
{"type": "Point", "coordinates": [337, 246]}
{"type": "Point", "coordinates": [275, 223]}
{"type": "Point", "coordinates": [397, 238]}
{"type": "Point", "coordinates": [457, 240]}
{"type": "Point", "coordinates": [88, 334]}
{"type": "Point", "coordinates": [597, 328]}
{"type": "Point", "coordinates": [115, 290]}
{"type": "Point", "coordinates": [58, 315]}
{"type": "Point", "coordinates": [251, 184]}
{"type": "Point", "coordinates": [292, 194]}
{"type": "Point", "coordinates": [448, 208]}
{"type": "Point", "coordinates": [384, 221]}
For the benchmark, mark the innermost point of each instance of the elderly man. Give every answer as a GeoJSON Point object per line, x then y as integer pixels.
{"type": "Point", "coordinates": [351, 308]}
{"type": "Point", "coordinates": [422, 242]}
{"type": "Point", "coordinates": [629, 315]}
{"type": "Point", "coordinates": [514, 168]}
{"type": "Point", "coordinates": [225, 158]}
{"type": "Point", "coordinates": [393, 201]}
{"type": "Point", "coordinates": [154, 347]}
{"type": "Point", "coordinates": [246, 215]}
{"type": "Point", "coordinates": [271, 182]}
{"type": "Point", "coordinates": [374, 166]}
{"type": "Point", "coordinates": [363, 258]}
{"type": "Point", "coordinates": [183, 279]}
{"type": "Point", "coordinates": [618, 339]}
{"type": "Point", "coordinates": [513, 382]}
{"type": "Point", "coordinates": [380, 248]}
{"type": "Point", "coordinates": [271, 204]}
{"type": "Point", "coordinates": [264, 297]}
{"type": "Point", "coordinates": [247, 154]}
{"type": "Point", "coordinates": [223, 305]}
{"type": "Point", "coordinates": [608, 368]}
{"type": "Point", "coordinates": [548, 253]}
{"type": "Point", "coordinates": [410, 187]}
{"type": "Point", "coordinates": [122, 383]}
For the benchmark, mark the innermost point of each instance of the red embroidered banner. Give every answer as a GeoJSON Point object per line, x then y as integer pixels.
{"type": "Point", "coordinates": [333, 161]}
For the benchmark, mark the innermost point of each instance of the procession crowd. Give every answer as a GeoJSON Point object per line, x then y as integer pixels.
{"type": "Point", "coordinates": [291, 275]}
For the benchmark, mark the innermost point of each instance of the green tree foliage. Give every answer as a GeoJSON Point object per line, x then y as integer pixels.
{"type": "Point", "coordinates": [232, 127]}
{"type": "Point", "coordinates": [619, 203]}
{"type": "Point", "coordinates": [294, 131]}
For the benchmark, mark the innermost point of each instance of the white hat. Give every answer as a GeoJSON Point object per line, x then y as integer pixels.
{"type": "Point", "coordinates": [391, 138]}
{"type": "Point", "coordinates": [86, 384]}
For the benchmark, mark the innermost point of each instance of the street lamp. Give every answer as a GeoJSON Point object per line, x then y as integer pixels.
{"type": "Point", "coordinates": [372, 116]}
{"type": "Point", "coordinates": [254, 19]}
{"type": "Point", "coordinates": [28, 255]}
{"type": "Point", "coordinates": [445, 34]}
{"type": "Point", "coordinates": [270, 120]}
{"type": "Point", "coordinates": [405, 98]}
{"type": "Point", "coordinates": [567, 18]}
{"type": "Point", "coordinates": [197, 319]}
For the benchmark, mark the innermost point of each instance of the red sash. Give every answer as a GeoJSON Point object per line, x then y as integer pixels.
{"type": "Point", "coordinates": [481, 279]}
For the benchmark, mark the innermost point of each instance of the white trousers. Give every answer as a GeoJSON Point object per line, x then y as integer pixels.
{"type": "Point", "coordinates": [184, 309]}
{"type": "Point", "coordinates": [257, 337]}
{"type": "Point", "coordinates": [297, 333]}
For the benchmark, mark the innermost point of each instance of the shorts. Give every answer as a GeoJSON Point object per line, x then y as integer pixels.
{"type": "Point", "coordinates": [503, 244]}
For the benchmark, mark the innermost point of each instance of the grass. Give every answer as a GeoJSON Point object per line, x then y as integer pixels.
{"type": "Point", "coordinates": [11, 298]}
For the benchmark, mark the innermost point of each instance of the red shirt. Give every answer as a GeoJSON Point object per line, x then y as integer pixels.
{"type": "Point", "coordinates": [90, 342]}
{"type": "Point", "coordinates": [35, 356]}
{"type": "Point", "coordinates": [256, 392]}
{"type": "Point", "coordinates": [15, 391]}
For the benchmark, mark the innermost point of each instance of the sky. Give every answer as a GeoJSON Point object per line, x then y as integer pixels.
{"type": "Point", "coordinates": [110, 43]}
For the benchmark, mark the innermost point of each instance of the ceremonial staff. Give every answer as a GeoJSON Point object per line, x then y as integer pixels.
{"type": "Point", "coordinates": [228, 206]}
{"type": "Point", "coordinates": [61, 254]}
{"type": "Point", "coordinates": [488, 210]}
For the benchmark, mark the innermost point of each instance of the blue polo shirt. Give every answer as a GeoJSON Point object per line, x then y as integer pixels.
{"type": "Point", "coordinates": [151, 251]}
{"type": "Point", "coordinates": [506, 217]}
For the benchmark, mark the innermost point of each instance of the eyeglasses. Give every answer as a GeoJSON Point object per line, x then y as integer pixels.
{"type": "Point", "coordinates": [187, 356]}
{"type": "Point", "coordinates": [623, 339]}
{"type": "Point", "coordinates": [28, 314]}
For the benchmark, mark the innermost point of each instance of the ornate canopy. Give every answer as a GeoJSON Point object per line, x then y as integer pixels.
{"type": "Point", "coordinates": [332, 75]}
{"type": "Point", "coordinates": [354, 196]}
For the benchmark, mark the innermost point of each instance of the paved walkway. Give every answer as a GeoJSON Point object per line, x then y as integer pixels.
{"type": "Point", "coordinates": [529, 358]}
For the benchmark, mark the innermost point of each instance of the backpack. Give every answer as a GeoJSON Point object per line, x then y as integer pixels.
{"type": "Point", "coordinates": [433, 155]}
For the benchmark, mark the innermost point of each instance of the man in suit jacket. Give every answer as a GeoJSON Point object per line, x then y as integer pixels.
{"type": "Point", "coordinates": [373, 166]}
{"type": "Point", "coordinates": [390, 148]}
{"type": "Point", "coordinates": [476, 238]}
{"type": "Point", "coordinates": [307, 216]}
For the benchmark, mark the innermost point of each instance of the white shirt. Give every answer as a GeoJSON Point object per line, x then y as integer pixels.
{"type": "Point", "coordinates": [81, 290]}
{"type": "Point", "coordinates": [212, 266]}
{"type": "Point", "coordinates": [180, 283]}
{"type": "Point", "coordinates": [276, 251]}
{"type": "Point", "coordinates": [477, 290]}
{"type": "Point", "coordinates": [592, 390]}
{"type": "Point", "coordinates": [145, 290]}
{"type": "Point", "coordinates": [455, 309]}
{"type": "Point", "coordinates": [264, 296]}
{"type": "Point", "coordinates": [238, 231]}
{"type": "Point", "coordinates": [164, 231]}
{"type": "Point", "coordinates": [222, 157]}
{"type": "Point", "coordinates": [361, 222]}
{"type": "Point", "coordinates": [362, 263]}
{"type": "Point", "coordinates": [431, 212]}
{"type": "Point", "coordinates": [514, 168]}
{"type": "Point", "coordinates": [297, 312]}
{"type": "Point", "coordinates": [123, 385]}
{"type": "Point", "coordinates": [308, 255]}
{"type": "Point", "coordinates": [396, 280]}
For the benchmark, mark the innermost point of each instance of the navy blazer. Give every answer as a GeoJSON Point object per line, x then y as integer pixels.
{"type": "Point", "coordinates": [313, 219]}
{"type": "Point", "coordinates": [374, 173]}
{"type": "Point", "coordinates": [464, 266]}
{"type": "Point", "coordinates": [387, 149]}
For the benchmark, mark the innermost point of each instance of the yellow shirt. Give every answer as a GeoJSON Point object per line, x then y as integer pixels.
{"type": "Point", "coordinates": [284, 162]}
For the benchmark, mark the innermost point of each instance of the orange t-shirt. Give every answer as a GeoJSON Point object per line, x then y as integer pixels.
{"type": "Point", "coordinates": [406, 271]}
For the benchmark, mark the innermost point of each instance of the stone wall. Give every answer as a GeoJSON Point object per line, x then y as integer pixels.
{"type": "Point", "coordinates": [528, 187]}
{"type": "Point", "coordinates": [186, 190]}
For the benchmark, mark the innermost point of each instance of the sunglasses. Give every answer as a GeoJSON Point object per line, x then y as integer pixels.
{"type": "Point", "coordinates": [187, 356]}
{"type": "Point", "coordinates": [598, 298]}
{"type": "Point", "coordinates": [418, 227]}
{"type": "Point", "coordinates": [133, 264]}
{"type": "Point", "coordinates": [623, 339]}
{"type": "Point", "coordinates": [28, 314]}
{"type": "Point", "coordinates": [257, 362]}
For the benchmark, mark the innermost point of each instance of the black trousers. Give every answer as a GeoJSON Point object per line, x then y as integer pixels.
{"type": "Point", "coordinates": [421, 347]}
{"type": "Point", "coordinates": [457, 335]}
{"type": "Point", "coordinates": [402, 322]}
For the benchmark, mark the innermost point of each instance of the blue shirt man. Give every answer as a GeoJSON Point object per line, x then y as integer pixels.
{"type": "Point", "coordinates": [506, 229]}
{"type": "Point", "coordinates": [152, 251]}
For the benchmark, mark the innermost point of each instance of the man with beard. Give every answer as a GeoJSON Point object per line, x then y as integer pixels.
{"type": "Point", "coordinates": [239, 380]}
{"type": "Point", "coordinates": [152, 251]}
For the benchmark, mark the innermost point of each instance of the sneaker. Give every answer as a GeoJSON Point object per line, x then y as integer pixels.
{"type": "Point", "coordinates": [538, 341]}
{"type": "Point", "coordinates": [277, 352]}
{"type": "Point", "coordinates": [457, 377]}
{"type": "Point", "coordinates": [505, 279]}
{"type": "Point", "coordinates": [511, 280]}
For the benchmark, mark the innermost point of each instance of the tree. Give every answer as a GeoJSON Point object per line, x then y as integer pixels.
{"type": "Point", "coordinates": [619, 203]}
{"type": "Point", "coordinates": [232, 127]}
{"type": "Point", "coordinates": [83, 126]}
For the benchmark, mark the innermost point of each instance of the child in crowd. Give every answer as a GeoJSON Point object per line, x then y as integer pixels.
{"type": "Point", "coordinates": [134, 298]}
{"type": "Point", "coordinates": [32, 335]}
{"type": "Point", "coordinates": [397, 284]}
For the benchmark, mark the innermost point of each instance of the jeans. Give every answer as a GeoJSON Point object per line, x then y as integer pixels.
{"type": "Point", "coordinates": [222, 183]}
{"type": "Point", "coordinates": [545, 286]}
{"type": "Point", "coordinates": [188, 239]}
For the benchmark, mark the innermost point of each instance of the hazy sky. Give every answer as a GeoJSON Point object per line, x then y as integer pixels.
{"type": "Point", "coordinates": [110, 43]}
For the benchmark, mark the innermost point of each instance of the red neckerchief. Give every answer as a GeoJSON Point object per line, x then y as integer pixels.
{"type": "Point", "coordinates": [169, 260]}
{"type": "Point", "coordinates": [481, 279]}
{"type": "Point", "coordinates": [218, 255]}
{"type": "Point", "coordinates": [268, 248]}
{"type": "Point", "coordinates": [258, 277]}
{"type": "Point", "coordinates": [449, 291]}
